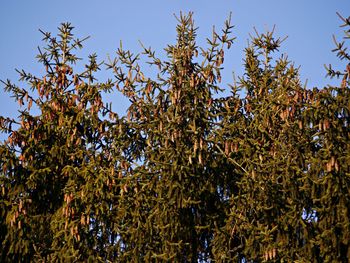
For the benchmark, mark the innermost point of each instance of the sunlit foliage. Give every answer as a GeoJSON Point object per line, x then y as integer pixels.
{"type": "Point", "coordinates": [186, 175]}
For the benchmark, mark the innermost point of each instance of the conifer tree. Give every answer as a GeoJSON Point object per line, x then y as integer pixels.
{"type": "Point", "coordinates": [186, 176]}
{"type": "Point", "coordinates": [175, 205]}
{"type": "Point", "coordinates": [287, 142]}
{"type": "Point", "coordinates": [58, 183]}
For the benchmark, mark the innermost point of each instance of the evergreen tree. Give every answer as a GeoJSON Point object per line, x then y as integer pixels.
{"type": "Point", "coordinates": [186, 175]}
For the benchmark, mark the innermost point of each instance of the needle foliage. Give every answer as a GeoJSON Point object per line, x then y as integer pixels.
{"type": "Point", "coordinates": [186, 175]}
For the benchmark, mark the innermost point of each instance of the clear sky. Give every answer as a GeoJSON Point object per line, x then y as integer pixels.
{"type": "Point", "coordinates": [309, 25]}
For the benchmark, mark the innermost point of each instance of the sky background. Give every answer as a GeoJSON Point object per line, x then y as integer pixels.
{"type": "Point", "coordinates": [309, 26]}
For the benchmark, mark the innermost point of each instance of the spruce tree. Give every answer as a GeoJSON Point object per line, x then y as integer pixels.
{"type": "Point", "coordinates": [186, 175]}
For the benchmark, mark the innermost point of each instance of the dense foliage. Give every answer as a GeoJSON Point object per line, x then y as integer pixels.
{"type": "Point", "coordinates": [186, 175]}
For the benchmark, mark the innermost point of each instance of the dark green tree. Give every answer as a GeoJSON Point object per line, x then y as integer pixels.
{"type": "Point", "coordinates": [290, 146]}
{"type": "Point", "coordinates": [58, 167]}
{"type": "Point", "coordinates": [186, 175]}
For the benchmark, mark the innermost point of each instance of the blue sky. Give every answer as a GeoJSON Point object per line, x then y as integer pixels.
{"type": "Point", "coordinates": [309, 26]}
